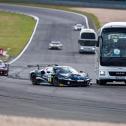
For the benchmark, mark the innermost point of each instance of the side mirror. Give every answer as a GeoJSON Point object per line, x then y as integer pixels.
{"type": "Point", "coordinates": [7, 65]}
{"type": "Point", "coordinates": [97, 43]}
{"type": "Point", "coordinates": [79, 41]}
{"type": "Point", "coordinates": [99, 40]}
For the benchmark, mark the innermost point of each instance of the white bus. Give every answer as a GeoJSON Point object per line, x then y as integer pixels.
{"type": "Point", "coordinates": [87, 41]}
{"type": "Point", "coordinates": [111, 53]}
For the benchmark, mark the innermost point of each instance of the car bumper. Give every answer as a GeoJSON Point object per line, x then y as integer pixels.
{"type": "Point", "coordinates": [55, 47]}
{"type": "Point", "coordinates": [77, 29]}
{"type": "Point", "coordinates": [75, 83]}
{"type": "Point", "coordinates": [87, 51]}
{"type": "Point", "coordinates": [3, 72]}
{"type": "Point", "coordinates": [111, 79]}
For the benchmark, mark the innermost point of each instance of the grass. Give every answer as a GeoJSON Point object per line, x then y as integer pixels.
{"type": "Point", "coordinates": [15, 31]}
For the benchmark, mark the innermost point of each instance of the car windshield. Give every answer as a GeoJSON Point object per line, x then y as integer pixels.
{"type": "Point", "coordinates": [66, 70]}
{"type": "Point", "coordinates": [79, 25]}
{"type": "Point", "coordinates": [55, 42]}
{"type": "Point", "coordinates": [113, 47]}
{"type": "Point", "coordinates": [114, 43]}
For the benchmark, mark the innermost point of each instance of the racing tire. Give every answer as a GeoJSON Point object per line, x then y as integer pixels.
{"type": "Point", "coordinates": [125, 82]}
{"type": "Point", "coordinates": [56, 82]}
{"type": "Point", "coordinates": [34, 83]}
{"type": "Point", "coordinates": [6, 74]}
{"type": "Point", "coordinates": [33, 79]}
{"type": "Point", "coordinates": [101, 82]}
{"type": "Point", "coordinates": [86, 85]}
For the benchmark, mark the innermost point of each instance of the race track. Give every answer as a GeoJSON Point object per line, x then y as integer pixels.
{"type": "Point", "coordinates": [19, 97]}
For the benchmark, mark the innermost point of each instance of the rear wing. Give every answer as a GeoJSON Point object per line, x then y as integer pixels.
{"type": "Point", "coordinates": [41, 65]}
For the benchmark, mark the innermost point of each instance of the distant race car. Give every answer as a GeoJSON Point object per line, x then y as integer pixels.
{"type": "Point", "coordinates": [4, 68]}
{"type": "Point", "coordinates": [55, 45]}
{"type": "Point", "coordinates": [87, 41]}
{"type": "Point", "coordinates": [78, 27]}
{"type": "Point", "coordinates": [59, 76]}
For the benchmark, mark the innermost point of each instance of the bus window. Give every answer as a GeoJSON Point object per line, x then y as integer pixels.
{"type": "Point", "coordinates": [88, 36]}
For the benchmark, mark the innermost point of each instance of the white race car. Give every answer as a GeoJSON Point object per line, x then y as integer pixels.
{"type": "Point", "coordinates": [78, 27]}
{"type": "Point", "coordinates": [55, 45]}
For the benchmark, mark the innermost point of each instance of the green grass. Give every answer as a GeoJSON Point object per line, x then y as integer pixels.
{"type": "Point", "coordinates": [15, 31]}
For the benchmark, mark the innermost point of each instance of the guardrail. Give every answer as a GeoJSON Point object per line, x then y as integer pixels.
{"type": "Point", "coordinates": [120, 4]}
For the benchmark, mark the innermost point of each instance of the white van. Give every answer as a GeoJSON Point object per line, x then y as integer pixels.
{"type": "Point", "coordinates": [87, 41]}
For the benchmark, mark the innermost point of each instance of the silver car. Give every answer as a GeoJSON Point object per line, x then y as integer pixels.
{"type": "Point", "coordinates": [78, 27]}
{"type": "Point", "coordinates": [55, 45]}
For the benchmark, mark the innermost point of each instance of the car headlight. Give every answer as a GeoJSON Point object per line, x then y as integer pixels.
{"type": "Point", "coordinates": [81, 47]}
{"type": "Point", "coordinates": [102, 73]}
{"type": "Point", "coordinates": [93, 48]}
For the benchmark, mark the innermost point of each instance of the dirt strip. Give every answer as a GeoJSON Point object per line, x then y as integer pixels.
{"type": "Point", "coordinates": [106, 15]}
{"type": "Point", "coordinates": [23, 121]}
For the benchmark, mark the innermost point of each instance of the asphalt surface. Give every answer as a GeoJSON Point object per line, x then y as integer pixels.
{"type": "Point", "coordinates": [18, 96]}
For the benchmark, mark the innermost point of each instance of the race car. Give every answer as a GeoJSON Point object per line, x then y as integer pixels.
{"type": "Point", "coordinates": [55, 45]}
{"type": "Point", "coordinates": [59, 76]}
{"type": "Point", "coordinates": [78, 27]}
{"type": "Point", "coordinates": [4, 68]}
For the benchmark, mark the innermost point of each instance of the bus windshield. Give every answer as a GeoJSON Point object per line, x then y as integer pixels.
{"type": "Point", "coordinates": [88, 36]}
{"type": "Point", "coordinates": [87, 42]}
{"type": "Point", "coordinates": [113, 46]}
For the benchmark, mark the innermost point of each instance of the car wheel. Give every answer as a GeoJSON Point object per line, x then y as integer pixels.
{"type": "Point", "coordinates": [125, 82]}
{"type": "Point", "coordinates": [101, 82]}
{"type": "Point", "coordinates": [87, 84]}
{"type": "Point", "coordinates": [34, 83]}
{"type": "Point", "coordinates": [56, 82]}
{"type": "Point", "coordinates": [6, 74]}
{"type": "Point", "coordinates": [33, 79]}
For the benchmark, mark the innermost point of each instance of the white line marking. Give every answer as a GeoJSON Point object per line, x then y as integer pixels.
{"type": "Point", "coordinates": [37, 21]}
